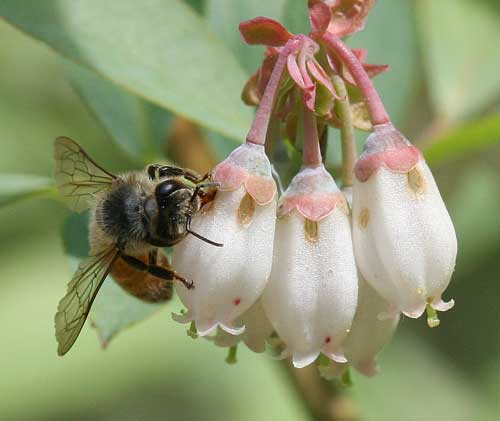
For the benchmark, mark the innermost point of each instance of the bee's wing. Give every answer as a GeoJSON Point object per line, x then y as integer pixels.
{"type": "Point", "coordinates": [74, 308]}
{"type": "Point", "coordinates": [78, 177]}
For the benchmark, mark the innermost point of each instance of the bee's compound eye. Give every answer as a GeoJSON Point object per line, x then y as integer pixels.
{"type": "Point", "coordinates": [150, 208]}
{"type": "Point", "coordinates": [167, 188]}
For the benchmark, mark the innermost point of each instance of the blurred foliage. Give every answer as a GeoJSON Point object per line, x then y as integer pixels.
{"type": "Point", "coordinates": [462, 69]}
{"type": "Point", "coordinates": [21, 186]}
{"type": "Point", "coordinates": [124, 66]}
{"type": "Point", "coordinates": [176, 54]}
{"type": "Point", "coordinates": [138, 126]}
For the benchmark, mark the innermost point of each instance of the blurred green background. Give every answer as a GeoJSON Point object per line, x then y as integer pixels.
{"type": "Point", "coordinates": [443, 91]}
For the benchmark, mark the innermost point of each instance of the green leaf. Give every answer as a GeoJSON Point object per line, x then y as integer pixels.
{"type": "Point", "coordinates": [15, 187]}
{"type": "Point", "coordinates": [474, 209]}
{"type": "Point", "coordinates": [158, 49]}
{"type": "Point", "coordinates": [139, 127]}
{"type": "Point", "coordinates": [463, 140]}
{"type": "Point", "coordinates": [198, 5]}
{"type": "Point", "coordinates": [114, 310]}
{"type": "Point", "coordinates": [221, 145]}
{"type": "Point", "coordinates": [296, 16]}
{"type": "Point", "coordinates": [75, 235]}
{"type": "Point", "coordinates": [390, 38]}
{"type": "Point", "coordinates": [430, 381]}
{"type": "Point", "coordinates": [460, 39]}
{"type": "Point", "coordinates": [224, 17]}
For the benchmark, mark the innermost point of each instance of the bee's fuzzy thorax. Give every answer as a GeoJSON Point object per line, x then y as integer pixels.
{"type": "Point", "coordinates": [119, 212]}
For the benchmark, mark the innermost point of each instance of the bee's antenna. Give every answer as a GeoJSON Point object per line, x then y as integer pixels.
{"type": "Point", "coordinates": [213, 243]}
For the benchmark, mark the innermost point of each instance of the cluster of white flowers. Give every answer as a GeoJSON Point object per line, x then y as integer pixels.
{"type": "Point", "coordinates": [306, 272]}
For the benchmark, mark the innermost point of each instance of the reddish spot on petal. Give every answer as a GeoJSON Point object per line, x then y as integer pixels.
{"type": "Point", "coordinates": [237, 301]}
{"type": "Point", "coordinates": [328, 340]}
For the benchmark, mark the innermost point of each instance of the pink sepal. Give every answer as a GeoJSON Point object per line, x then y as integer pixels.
{"type": "Point", "coordinates": [320, 75]}
{"type": "Point", "coordinates": [319, 16]}
{"type": "Point", "coordinates": [262, 189]}
{"type": "Point", "coordinates": [230, 177]}
{"type": "Point", "coordinates": [371, 69]}
{"type": "Point", "coordinates": [348, 16]}
{"type": "Point", "coordinates": [264, 31]}
{"type": "Point", "coordinates": [313, 193]}
{"type": "Point", "coordinates": [301, 78]}
{"type": "Point", "coordinates": [401, 159]}
{"type": "Point", "coordinates": [313, 206]}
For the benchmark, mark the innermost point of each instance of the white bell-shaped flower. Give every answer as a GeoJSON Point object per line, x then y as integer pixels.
{"type": "Point", "coordinates": [257, 330]}
{"type": "Point", "coordinates": [312, 291]}
{"type": "Point", "coordinates": [229, 279]}
{"type": "Point", "coordinates": [373, 326]}
{"type": "Point", "coordinates": [404, 239]}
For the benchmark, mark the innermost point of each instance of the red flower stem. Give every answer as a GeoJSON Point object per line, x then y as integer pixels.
{"type": "Point", "coordinates": [258, 131]}
{"type": "Point", "coordinates": [376, 109]}
{"type": "Point", "coordinates": [311, 155]}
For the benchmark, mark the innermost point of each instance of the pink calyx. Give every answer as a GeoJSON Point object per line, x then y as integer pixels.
{"type": "Point", "coordinates": [248, 166]}
{"type": "Point", "coordinates": [313, 193]}
{"type": "Point", "coordinates": [398, 160]}
{"type": "Point", "coordinates": [388, 148]}
{"type": "Point", "coordinates": [313, 206]}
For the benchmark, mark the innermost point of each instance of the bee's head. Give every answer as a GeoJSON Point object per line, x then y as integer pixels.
{"type": "Point", "coordinates": [170, 191]}
{"type": "Point", "coordinates": [167, 212]}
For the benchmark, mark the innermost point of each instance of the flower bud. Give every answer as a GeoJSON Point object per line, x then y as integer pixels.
{"type": "Point", "coordinates": [404, 239]}
{"type": "Point", "coordinates": [229, 279]}
{"type": "Point", "coordinates": [312, 291]}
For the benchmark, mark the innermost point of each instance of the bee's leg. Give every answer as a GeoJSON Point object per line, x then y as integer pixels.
{"type": "Point", "coordinates": [192, 176]}
{"type": "Point", "coordinates": [168, 274]}
{"type": "Point", "coordinates": [153, 256]}
{"type": "Point", "coordinates": [206, 184]}
{"type": "Point", "coordinates": [205, 197]}
{"type": "Point", "coordinates": [152, 171]}
{"type": "Point", "coordinates": [156, 171]}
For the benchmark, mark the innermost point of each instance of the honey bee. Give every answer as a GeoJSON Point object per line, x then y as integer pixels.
{"type": "Point", "coordinates": [131, 216]}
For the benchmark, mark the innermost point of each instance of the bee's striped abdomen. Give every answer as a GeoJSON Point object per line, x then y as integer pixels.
{"type": "Point", "coordinates": [142, 284]}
